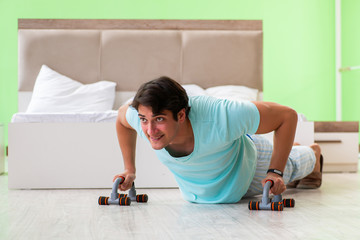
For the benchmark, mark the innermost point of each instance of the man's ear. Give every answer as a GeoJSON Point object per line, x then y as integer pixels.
{"type": "Point", "coordinates": [181, 115]}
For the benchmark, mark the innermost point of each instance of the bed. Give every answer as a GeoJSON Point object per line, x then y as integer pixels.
{"type": "Point", "coordinates": [58, 146]}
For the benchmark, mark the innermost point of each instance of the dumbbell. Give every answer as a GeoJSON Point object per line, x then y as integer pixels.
{"type": "Point", "coordinates": [122, 199]}
{"type": "Point", "coordinates": [266, 203]}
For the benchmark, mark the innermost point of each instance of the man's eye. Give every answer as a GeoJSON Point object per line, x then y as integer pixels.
{"type": "Point", "coordinates": [159, 119]}
{"type": "Point", "coordinates": [143, 120]}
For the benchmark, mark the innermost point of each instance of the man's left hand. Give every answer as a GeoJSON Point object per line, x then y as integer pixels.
{"type": "Point", "coordinates": [279, 185]}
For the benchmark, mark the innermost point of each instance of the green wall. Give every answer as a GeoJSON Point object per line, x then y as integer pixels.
{"type": "Point", "coordinates": [299, 57]}
{"type": "Point", "coordinates": [299, 42]}
{"type": "Point", "coordinates": [350, 33]}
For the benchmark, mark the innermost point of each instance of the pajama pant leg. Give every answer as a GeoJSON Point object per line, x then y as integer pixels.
{"type": "Point", "coordinates": [301, 163]}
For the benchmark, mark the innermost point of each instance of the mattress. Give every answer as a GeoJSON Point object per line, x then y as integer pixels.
{"type": "Point", "coordinates": [107, 116]}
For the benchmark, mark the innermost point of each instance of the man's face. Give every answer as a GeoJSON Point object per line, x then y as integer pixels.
{"type": "Point", "coordinates": [161, 129]}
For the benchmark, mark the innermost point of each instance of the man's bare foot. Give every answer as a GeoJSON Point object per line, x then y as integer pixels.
{"type": "Point", "coordinates": [316, 148]}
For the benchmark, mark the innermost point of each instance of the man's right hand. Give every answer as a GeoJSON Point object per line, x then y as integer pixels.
{"type": "Point", "coordinates": [129, 179]}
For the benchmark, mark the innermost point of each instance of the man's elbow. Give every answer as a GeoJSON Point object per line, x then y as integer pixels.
{"type": "Point", "coordinates": [291, 116]}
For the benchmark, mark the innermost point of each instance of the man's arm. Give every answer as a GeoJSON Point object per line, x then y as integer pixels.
{"type": "Point", "coordinates": [282, 120]}
{"type": "Point", "coordinates": [127, 141]}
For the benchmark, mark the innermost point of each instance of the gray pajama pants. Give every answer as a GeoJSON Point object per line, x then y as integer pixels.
{"type": "Point", "coordinates": [300, 163]}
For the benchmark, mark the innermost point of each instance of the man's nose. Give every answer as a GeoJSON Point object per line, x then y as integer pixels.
{"type": "Point", "coordinates": [151, 129]}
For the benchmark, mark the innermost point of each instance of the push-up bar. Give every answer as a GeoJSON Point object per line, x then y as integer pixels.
{"type": "Point", "coordinates": [266, 203]}
{"type": "Point", "coordinates": [122, 199]}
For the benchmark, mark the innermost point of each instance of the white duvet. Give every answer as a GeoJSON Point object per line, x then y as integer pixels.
{"type": "Point", "coordinates": [107, 116]}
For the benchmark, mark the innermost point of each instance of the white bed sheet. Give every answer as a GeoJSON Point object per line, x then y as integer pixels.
{"type": "Point", "coordinates": [107, 116]}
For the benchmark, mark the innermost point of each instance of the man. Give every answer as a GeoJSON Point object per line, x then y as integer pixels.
{"type": "Point", "coordinates": [209, 144]}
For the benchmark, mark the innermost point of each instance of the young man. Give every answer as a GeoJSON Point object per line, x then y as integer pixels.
{"type": "Point", "coordinates": [209, 144]}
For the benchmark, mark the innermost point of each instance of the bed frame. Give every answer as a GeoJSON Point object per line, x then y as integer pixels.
{"type": "Point", "coordinates": [129, 52]}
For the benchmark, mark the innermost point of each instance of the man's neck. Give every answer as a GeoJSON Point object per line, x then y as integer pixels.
{"type": "Point", "coordinates": [183, 145]}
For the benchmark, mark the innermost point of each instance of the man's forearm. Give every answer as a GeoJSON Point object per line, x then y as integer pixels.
{"type": "Point", "coordinates": [283, 141]}
{"type": "Point", "coordinates": [127, 142]}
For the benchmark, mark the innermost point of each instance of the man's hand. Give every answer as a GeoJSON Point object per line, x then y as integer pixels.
{"type": "Point", "coordinates": [279, 185]}
{"type": "Point", "coordinates": [129, 179]}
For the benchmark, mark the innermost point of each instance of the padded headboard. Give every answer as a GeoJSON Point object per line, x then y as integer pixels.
{"type": "Point", "coordinates": [131, 52]}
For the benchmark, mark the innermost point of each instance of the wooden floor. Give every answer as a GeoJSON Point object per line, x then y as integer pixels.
{"type": "Point", "coordinates": [331, 212]}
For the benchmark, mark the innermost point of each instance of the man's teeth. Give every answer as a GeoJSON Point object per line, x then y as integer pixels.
{"type": "Point", "coordinates": [156, 138]}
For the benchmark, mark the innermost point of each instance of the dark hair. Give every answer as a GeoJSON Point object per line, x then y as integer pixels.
{"type": "Point", "coordinates": [161, 94]}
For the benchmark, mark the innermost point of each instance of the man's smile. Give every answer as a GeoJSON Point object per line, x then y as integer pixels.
{"type": "Point", "coordinates": [156, 138]}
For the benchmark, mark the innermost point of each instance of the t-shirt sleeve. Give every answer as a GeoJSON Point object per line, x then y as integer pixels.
{"type": "Point", "coordinates": [234, 118]}
{"type": "Point", "coordinates": [242, 117]}
{"type": "Point", "coordinates": [134, 120]}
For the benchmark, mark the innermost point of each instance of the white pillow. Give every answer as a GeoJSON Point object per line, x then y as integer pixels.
{"type": "Point", "coordinates": [194, 90]}
{"type": "Point", "coordinates": [54, 92]}
{"type": "Point", "coordinates": [232, 92]}
{"type": "Point", "coordinates": [191, 90]}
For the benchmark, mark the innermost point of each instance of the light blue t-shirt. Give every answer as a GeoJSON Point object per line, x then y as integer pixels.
{"type": "Point", "coordinates": [222, 165]}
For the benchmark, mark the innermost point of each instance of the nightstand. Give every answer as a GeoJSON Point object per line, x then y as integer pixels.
{"type": "Point", "coordinates": [339, 142]}
{"type": "Point", "coordinates": [2, 149]}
